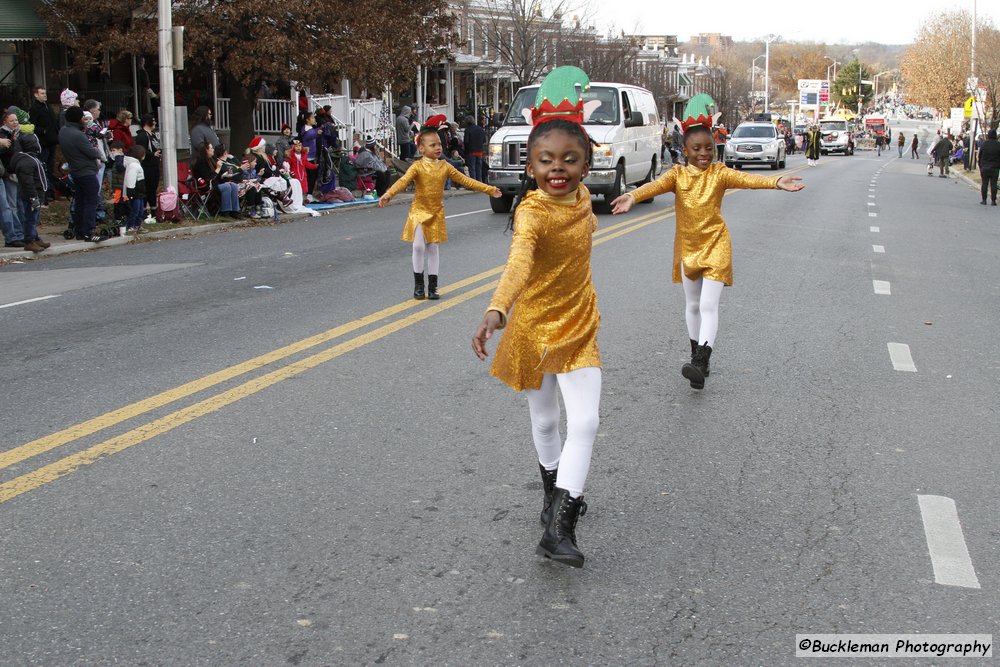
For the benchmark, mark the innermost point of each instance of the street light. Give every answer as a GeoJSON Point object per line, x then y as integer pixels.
{"type": "Point", "coordinates": [834, 66]}
{"type": "Point", "coordinates": [767, 69]}
{"type": "Point", "coordinates": [753, 81]}
{"type": "Point", "coordinates": [875, 95]}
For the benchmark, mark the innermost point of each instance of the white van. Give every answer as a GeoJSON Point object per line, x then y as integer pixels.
{"type": "Point", "coordinates": [626, 127]}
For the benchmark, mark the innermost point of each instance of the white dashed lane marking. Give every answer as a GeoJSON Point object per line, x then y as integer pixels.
{"type": "Point", "coordinates": [881, 287]}
{"type": "Point", "coordinates": [899, 354]}
{"type": "Point", "coordinates": [946, 542]}
{"type": "Point", "coordinates": [873, 230]}
{"type": "Point", "coordinates": [39, 298]}
{"type": "Point", "coordinates": [878, 248]}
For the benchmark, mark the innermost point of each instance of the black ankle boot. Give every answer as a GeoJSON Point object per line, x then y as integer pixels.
{"type": "Point", "coordinates": [697, 369]}
{"type": "Point", "coordinates": [418, 286]}
{"type": "Point", "coordinates": [694, 349]}
{"type": "Point", "coordinates": [559, 539]}
{"type": "Point", "coordinates": [548, 488]}
{"type": "Point", "coordinates": [432, 288]}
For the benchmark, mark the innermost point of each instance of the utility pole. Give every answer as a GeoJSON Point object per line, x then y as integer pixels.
{"type": "Point", "coordinates": [767, 70]}
{"type": "Point", "coordinates": [168, 131]}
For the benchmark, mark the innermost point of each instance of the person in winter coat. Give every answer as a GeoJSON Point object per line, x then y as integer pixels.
{"type": "Point", "coordinates": [32, 183]}
{"type": "Point", "coordinates": [299, 165]}
{"type": "Point", "coordinates": [310, 136]}
{"type": "Point", "coordinates": [135, 187]}
{"type": "Point", "coordinates": [913, 147]}
{"type": "Point", "coordinates": [10, 130]}
{"type": "Point", "coordinates": [942, 153]}
{"type": "Point", "coordinates": [475, 142]}
{"type": "Point", "coordinates": [83, 160]}
{"type": "Point", "coordinates": [989, 166]}
{"type": "Point", "coordinates": [150, 140]}
{"type": "Point", "coordinates": [121, 128]}
{"type": "Point", "coordinates": [47, 130]}
{"type": "Point", "coordinates": [201, 129]}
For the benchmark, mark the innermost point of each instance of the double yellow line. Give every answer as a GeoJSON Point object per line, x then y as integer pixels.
{"type": "Point", "coordinates": [53, 471]}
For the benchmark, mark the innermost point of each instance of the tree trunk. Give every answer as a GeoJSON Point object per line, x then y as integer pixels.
{"type": "Point", "coordinates": [242, 104]}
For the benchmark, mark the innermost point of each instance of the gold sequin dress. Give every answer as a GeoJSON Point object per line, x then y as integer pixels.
{"type": "Point", "coordinates": [547, 281]}
{"type": "Point", "coordinates": [701, 239]}
{"type": "Point", "coordinates": [427, 208]}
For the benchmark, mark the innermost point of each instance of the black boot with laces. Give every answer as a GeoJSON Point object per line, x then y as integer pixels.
{"type": "Point", "coordinates": [559, 539]}
{"type": "Point", "coordinates": [418, 286]}
{"type": "Point", "coordinates": [697, 369]}
{"type": "Point", "coordinates": [548, 488]}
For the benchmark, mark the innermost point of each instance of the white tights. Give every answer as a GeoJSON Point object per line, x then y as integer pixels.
{"type": "Point", "coordinates": [581, 392]}
{"type": "Point", "coordinates": [702, 308]}
{"type": "Point", "coordinates": [422, 248]}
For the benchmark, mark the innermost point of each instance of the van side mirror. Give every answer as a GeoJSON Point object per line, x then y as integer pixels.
{"type": "Point", "coordinates": [634, 119]}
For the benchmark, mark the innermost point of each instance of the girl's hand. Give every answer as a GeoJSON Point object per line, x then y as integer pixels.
{"type": "Point", "coordinates": [485, 331]}
{"type": "Point", "coordinates": [790, 183]}
{"type": "Point", "coordinates": [496, 194]}
{"type": "Point", "coordinates": [383, 200]}
{"type": "Point", "coordinates": [622, 204]}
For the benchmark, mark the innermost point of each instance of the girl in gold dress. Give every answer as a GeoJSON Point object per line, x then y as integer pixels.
{"type": "Point", "coordinates": [425, 226]}
{"type": "Point", "coordinates": [550, 341]}
{"type": "Point", "coordinates": [702, 249]}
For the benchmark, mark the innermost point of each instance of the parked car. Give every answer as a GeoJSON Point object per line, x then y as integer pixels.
{"type": "Point", "coordinates": [755, 143]}
{"type": "Point", "coordinates": [835, 137]}
{"type": "Point", "coordinates": [626, 127]}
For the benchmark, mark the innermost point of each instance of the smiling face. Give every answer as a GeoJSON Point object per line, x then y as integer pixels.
{"type": "Point", "coordinates": [699, 148]}
{"type": "Point", "coordinates": [430, 145]}
{"type": "Point", "coordinates": [558, 163]}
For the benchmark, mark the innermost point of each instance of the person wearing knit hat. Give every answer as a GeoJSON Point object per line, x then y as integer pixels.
{"type": "Point", "coordinates": [68, 99]}
{"type": "Point", "coordinates": [83, 160]}
{"type": "Point", "coordinates": [425, 225]}
{"type": "Point", "coordinates": [258, 144]}
{"type": "Point", "coordinates": [702, 259]}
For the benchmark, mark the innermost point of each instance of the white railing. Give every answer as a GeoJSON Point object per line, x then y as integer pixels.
{"type": "Point", "coordinates": [268, 118]}
{"type": "Point", "coordinates": [340, 106]}
{"type": "Point", "coordinates": [365, 117]}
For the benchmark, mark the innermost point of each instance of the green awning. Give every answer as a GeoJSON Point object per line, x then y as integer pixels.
{"type": "Point", "coordinates": [20, 21]}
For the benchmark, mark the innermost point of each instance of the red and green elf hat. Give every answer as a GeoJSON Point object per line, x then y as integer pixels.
{"type": "Point", "coordinates": [433, 124]}
{"type": "Point", "coordinates": [561, 96]}
{"type": "Point", "coordinates": [699, 112]}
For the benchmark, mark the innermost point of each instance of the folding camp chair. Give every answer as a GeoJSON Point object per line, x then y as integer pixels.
{"type": "Point", "coordinates": [194, 193]}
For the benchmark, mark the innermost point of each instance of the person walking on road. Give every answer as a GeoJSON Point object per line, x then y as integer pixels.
{"type": "Point", "coordinates": [942, 151]}
{"type": "Point", "coordinates": [702, 250]}
{"type": "Point", "coordinates": [989, 166]}
{"type": "Point", "coordinates": [425, 225]}
{"type": "Point", "coordinates": [913, 147]}
{"type": "Point", "coordinates": [812, 146]}
{"type": "Point", "coordinates": [901, 142]}
{"type": "Point", "coordinates": [550, 342]}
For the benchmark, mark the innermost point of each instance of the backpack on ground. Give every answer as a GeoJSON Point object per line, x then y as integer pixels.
{"type": "Point", "coordinates": [167, 208]}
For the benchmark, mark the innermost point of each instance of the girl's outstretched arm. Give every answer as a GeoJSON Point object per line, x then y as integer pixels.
{"type": "Point", "coordinates": [471, 183]}
{"type": "Point", "coordinates": [790, 184]}
{"type": "Point", "coordinates": [397, 187]}
{"type": "Point", "coordinates": [665, 183]}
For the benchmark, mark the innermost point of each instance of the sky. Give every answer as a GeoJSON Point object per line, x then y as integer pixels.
{"type": "Point", "coordinates": [832, 22]}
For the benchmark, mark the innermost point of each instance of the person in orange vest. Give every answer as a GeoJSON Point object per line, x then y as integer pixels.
{"type": "Point", "coordinates": [721, 136]}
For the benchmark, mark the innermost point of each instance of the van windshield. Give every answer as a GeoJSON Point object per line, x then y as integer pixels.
{"type": "Point", "coordinates": [833, 125]}
{"type": "Point", "coordinates": [606, 114]}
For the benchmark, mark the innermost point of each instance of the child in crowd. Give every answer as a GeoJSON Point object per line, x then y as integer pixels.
{"type": "Point", "coordinates": [298, 163]}
{"type": "Point", "coordinates": [117, 152]}
{"type": "Point", "coordinates": [135, 188]}
{"type": "Point", "coordinates": [702, 248]}
{"type": "Point", "coordinates": [249, 190]}
{"type": "Point", "coordinates": [425, 225]}
{"type": "Point", "coordinates": [550, 342]}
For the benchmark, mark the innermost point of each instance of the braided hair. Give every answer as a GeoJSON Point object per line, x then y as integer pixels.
{"type": "Point", "coordinates": [555, 125]}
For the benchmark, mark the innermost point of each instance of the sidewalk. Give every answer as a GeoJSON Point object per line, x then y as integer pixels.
{"type": "Point", "coordinates": [55, 216]}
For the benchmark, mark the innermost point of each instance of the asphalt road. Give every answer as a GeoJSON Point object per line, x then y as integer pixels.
{"type": "Point", "coordinates": [252, 448]}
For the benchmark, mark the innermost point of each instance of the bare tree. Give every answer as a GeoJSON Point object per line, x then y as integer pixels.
{"type": "Point", "coordinates": [527, 36]}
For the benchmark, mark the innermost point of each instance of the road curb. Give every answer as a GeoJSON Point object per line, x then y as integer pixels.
{"type": "Point", "coordinates": [82, 246]}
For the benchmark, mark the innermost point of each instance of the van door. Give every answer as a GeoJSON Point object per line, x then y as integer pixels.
{"type": "Point", "coordinates": [649, 141]}
{"type": "Point", "coordinates": [630, 137]}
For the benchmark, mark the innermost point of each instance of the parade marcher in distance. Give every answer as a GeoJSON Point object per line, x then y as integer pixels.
{"type": "Point", "coordinates": [425, 225]}
{"type": "Point", "coordinates": [702, 260]}
{"type": "Point", "coordinates": [989, 166]}
{"type": "Point", "coordinates": [813, 145]}
{"type": "Point", "coordinates": [549, 345]}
